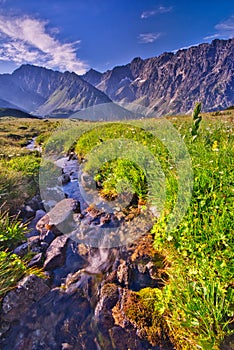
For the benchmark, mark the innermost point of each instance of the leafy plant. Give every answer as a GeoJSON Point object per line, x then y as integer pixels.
{"type": "Point", "coordinates": [12, 231]}
{"type": "Point", "coordinates": [196, 121]}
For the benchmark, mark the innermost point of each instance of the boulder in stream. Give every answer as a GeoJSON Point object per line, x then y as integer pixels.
{"type": "Point", "coordinates": [16, 303]}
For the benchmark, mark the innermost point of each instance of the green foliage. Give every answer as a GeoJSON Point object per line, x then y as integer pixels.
{"type": "Point", "coordinates": [125, 157]}
{"type": "Point", "coordinates": [12, 269]}
{"type": "Point", "coordinates": [195, 307]}
{"type": "Point", "coordinates": [121, 176]}
{"type": "Point", "coordinates": [196, 121]}
{"type": "Point", "coordinates": [12, 231]}
{"type": "Point", "coordinates": [19, 169]}
{"type": "Point", "coordinates": [199, 312]}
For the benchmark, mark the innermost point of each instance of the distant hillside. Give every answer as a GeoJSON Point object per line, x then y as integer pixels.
{"type": "Point", "coordinates": [11, 112]}
{"type": "Point", "coordinates": [43, 91]}
{"type": "Point", "coordinates": [172, 82]}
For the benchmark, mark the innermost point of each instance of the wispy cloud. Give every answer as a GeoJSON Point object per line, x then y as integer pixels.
{"type": "Point", "coordinates": [159, 10]}
{"type": "Point", "coordinates": [224, 30]}
{"type": "Point", "coordinates": [148, 38]}
{"type": "Point", "coordinates": [27, 40]}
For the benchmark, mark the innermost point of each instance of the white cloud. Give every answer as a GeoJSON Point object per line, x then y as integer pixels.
{"type": "Point", "coordinates": [159, 10]}
{"type": "Point", "coordinates": [224, 30]}
{"type": "Point", "coordinates": [148, 38]}
{"type": "Point", "coordinates": [27, 40]}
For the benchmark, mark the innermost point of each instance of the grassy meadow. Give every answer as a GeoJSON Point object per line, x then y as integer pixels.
{"type": "Point", "coordinates": [196, 305]}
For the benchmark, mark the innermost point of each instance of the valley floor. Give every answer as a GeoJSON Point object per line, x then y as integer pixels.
{"type": "Point", "coordinates": [161, 274]}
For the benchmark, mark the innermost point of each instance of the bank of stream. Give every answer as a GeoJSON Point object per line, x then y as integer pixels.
{"type": "Point", "coordinates": [90, 279]}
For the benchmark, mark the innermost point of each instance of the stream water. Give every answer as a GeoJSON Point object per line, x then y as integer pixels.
{"type": "Point", "coordinates": [32, 146]}
{"type": "Point", "coordinates": [76, 313]}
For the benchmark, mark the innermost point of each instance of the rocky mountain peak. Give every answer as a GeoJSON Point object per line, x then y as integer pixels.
{"type": "Point", "coordinates": [172, 82]}
{"type": "Point", "coordinates": [166, 84]}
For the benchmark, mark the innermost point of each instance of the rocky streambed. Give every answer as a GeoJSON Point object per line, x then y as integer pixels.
{"type": "Point", "coordinates": [90, 276]}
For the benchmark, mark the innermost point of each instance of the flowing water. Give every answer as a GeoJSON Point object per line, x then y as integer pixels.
{"type": "Point", "coordinates": [74, 314]}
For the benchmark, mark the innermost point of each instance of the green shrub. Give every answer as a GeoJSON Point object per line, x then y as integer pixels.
{"type": "Point", "coordinates": [12, 231]}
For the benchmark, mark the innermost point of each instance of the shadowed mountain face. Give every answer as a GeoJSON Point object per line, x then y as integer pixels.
{"type": "Point", "coordinates": [42, 91]}
{"type": "Point", "coordinates": [171, 83]}
{"type": "Point", "coordinates": [168, 84]}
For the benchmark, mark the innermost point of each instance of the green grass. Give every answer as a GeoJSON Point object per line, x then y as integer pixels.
{"type": "Point", "coordinates": [19, 169]}
{"type": "Point", "coordinates": [201, 307]}
{"type": "Point", "coordinates": [12, 267]}
{"type": "Point", "coordinates": [197, 302]}
{"type": "Point", "coordinates": [12, 231]}
{"type": "Point", "coordinates": [195, 307]}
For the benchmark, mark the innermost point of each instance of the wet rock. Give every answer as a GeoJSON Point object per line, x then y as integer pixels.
{"type": "Point", "coordinates": [123, 274]}
{"type": "Point", "coordinates": [56, 253]}
{"type": "Point", "coordinates": [43, 224]}
{"type": "Point", "coordinates": [43, 248]}
{"type": "Point", "coordinates": [108, 298]}
{"type": "Point", "coordinates": [104, 320]}
{"type": "Point", "coordinates": [31, 245]}
{"type": "Point", "coordinates": [65, 178]}
{"type": "Point", "coordinates": [27, 212]}
{"type": "Point", "coordinates": [124, 340]}
{"type": "Point", "coordinates": [34, 240]}
{"type": "Point", "coordinates": [47, 236]}
{"type": "Point", "coordinates": [22, 249]}
{"type": "Point", "coordinates": [57, 320]}
{"type": "Point", "coordinates": [32, 225]}
{"type": "Point", "coordinates": [37, 260]}
{"type": "Point", "coordinates": [17, 302]}
{"type": "Point", "coordinates": [227, 343]}
{"type": "Point", "coordinates": [4, 327]}
{"type": "Point", "coordinates": [74, 262]}
{"type": "Point", "coordinates": [60, 216]}
{"type": "Point", "coordinates": [72, 156]}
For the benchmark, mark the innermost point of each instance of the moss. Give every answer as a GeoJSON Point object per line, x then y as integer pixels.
{"type": "Point", "coordinates": [139, 309]}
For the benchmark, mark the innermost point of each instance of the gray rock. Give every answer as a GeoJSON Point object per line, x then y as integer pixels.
{"type": "Point", "coordinates": [37, 260]}
{"type": "Point", "coordinates": [65, 178]}
{"type": "Point", "coordinates": [4, 327]}
{"type": "Point", "coordinates": [108, 298]}
{"type": "Point", "coordinates": [22, 249]}
{"type": "Point", "coordinates": [17, 302]}
{"type": "Point", "coordinates": [39, 214]}
{"type": "Point", "coordinates": [59, 216]}
{"type": "Point", "coordinates": [44, 246]}
{"type": "Point", "coordinates": [56, 253]}
{"type": "Point", "coordinates": [47, 237]}
{"type": "Point", "coordinates": [28, 212]}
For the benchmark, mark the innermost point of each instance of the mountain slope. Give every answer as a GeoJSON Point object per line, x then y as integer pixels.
{"type": "Point", "coordinates": [43, 91]}
{"type": "Point", "coordinates": [172, 82]}
{"type": "Point", "coordinates": [12, 112]}
{"type": "Point", "coordinates": [167, 84]}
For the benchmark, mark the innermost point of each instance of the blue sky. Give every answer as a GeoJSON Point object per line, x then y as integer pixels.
{"type": "Point", "coordinates": [76, 35]}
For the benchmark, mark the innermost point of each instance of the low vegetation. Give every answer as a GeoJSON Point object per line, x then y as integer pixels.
{"type": "Point", "coordinates": [195, 308]}
{"type": "Point", "coordinates": [19, 166]}
{"type": "Point", "coordinates": [18, 182]}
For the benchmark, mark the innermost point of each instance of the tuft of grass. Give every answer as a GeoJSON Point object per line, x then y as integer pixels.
{"type": "Point", "coordinates": [12, 269]}
{"type": "Point", "coordinates": [12, 231]}
{"type": "Point", "coordinates": [200, 309]}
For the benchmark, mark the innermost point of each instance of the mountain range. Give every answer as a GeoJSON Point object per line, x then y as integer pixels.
{"type": "Point", "coordinates": [168, 84]}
